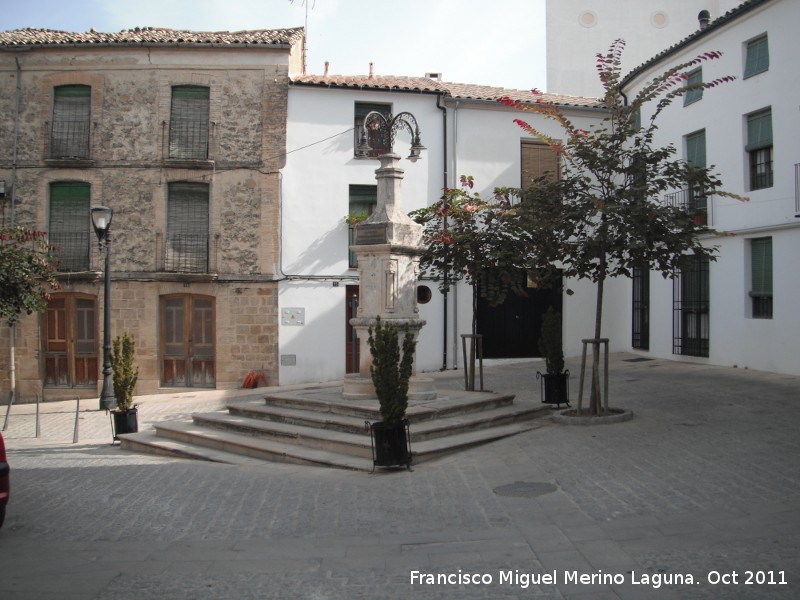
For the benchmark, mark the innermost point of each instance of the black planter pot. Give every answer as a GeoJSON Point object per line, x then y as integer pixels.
{"type": "Point", "coordinates": [391, 444]}
{"type": "Point", "coordinates": [125, 421]}
{"type": "Point", "coordinates": [555, 388]}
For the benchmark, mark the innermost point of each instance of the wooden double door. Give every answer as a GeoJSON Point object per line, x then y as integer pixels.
{"type": "Point", "coordinates": [71, 341]}
{"type": "Point", "coordinates": [188, 355]}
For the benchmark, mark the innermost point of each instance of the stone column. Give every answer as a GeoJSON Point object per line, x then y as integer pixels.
{"type": "Point", "coordinates": [388, 247]}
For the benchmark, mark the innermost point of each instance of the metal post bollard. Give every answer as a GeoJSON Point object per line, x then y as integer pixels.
{"type": "Point", "coordinates": [77, 419]}
{"type": "Point", "coordinates": [38, 429]}
{"type": "Point", "coordinates": [8, 409]}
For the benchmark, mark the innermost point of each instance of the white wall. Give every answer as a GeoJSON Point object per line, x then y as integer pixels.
{"type": "Point", "coordinates": [579, 29]}
{"type": "Point", "coordinates": [320, 167]}
{"type": "Point", "coordinates": [736, 338]}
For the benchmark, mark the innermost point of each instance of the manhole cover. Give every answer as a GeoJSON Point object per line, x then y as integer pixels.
{"type": "Point", "coordinates": [525, 489]}
{"type": "Point", "coordinates": [641, 359]}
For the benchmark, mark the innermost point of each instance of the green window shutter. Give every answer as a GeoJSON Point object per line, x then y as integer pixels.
{"type": "Point", "coordinates": [696, 150]}
{"type": "Point", "coordinates": [187, 228]}
{"type": "Point", "coordinates": [188, 125]}
{"type": "Point", "coordinates": [759, 130]}
{"type": "Point", "coordinates": [761, 263]}
{"type": "Point", "coordinates": [68, 228]}
{"type": "Point", "coordinates": [757, 59]}
{"type": "Point", "coordinates": [362, 201]}
{"type": "Point", "coordinates": [694, 78]}
{"type": "Point", "coordinates": [69, 132]}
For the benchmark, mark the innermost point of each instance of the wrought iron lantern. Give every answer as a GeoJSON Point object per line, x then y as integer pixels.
{"type": "Point", "coordinates": [385, 128]}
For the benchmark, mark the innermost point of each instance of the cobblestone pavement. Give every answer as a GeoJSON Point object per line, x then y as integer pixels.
{"type": "Point", "coordinates": [703, 483]}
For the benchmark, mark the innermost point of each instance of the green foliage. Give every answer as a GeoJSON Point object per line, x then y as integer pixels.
{"type": "Point", "coordinates": [354, 218]}
{"type": "Point", "coordinates": [124, 373]}
{"type": "Point", "coordinates": [390, 373]}
{"type": "Point", "coordinates": [27, 272]}
{"type": "Point", "coordinates": [550, 342]}
{"type": "Point", "coordinates": [606, 213]}
{"type": "Point", "coordinates": [477, 240]}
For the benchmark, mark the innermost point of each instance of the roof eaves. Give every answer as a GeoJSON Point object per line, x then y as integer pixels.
{"type": "Point", "coordinates": [729, 16]}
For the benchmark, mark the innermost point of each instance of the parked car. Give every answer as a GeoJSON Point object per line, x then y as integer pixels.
{"type": "Point", "coordinates": [5, 488]}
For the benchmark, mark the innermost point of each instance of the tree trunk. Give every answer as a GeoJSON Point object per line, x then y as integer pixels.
{"type": "Point", "coordinates": [595, 404]}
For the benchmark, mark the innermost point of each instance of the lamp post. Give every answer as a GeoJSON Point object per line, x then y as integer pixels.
{"type": "Point", "coordinates": [101, 221]}
{"type": "Point", "coordinates": [385, 128]}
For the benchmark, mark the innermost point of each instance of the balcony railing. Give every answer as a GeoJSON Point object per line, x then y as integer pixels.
{"type": "Point", "coordinates": [72, 249]}
{"type": "Point", "coordinates": [693, 202]}
{"type": "Point", "coordinates": [188, 139]}
{"type": "Point", "coordinates": [68, 140]}
{"type": "Point", "coordinates": [187, 253]}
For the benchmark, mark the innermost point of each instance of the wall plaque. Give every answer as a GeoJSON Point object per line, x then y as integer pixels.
{"type": "Point", "coordinates": [369, 234]}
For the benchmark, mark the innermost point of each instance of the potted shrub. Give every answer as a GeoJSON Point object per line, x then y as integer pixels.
{"type": "Point", "coordinates": [555, 389]}
{"type": "Point", "coordinates": [391, 444]}
{"type": "Point", "coordinates": [124, 376]}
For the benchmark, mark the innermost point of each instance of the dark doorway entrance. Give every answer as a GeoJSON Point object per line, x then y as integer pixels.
{"type": "Point", "coordinates": [351, 340]}
{"type": "Point", "coordinates": [512, 329]}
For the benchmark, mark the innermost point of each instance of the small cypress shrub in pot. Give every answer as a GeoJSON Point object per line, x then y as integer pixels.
{"type": "Point", "coordinates": [554, 386]}
{"type": "Point", "coordinates": [391, 370]}
{"type": "Point", "coordinates": [124, 377]}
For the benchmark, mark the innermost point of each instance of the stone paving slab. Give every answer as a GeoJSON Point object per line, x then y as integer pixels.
{"type": "Point", "coordinates": [703, 482]}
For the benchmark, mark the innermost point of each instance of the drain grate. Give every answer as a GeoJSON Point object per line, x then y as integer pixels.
{"type": "Point", "coordinates": [526, 489]}
{"type": "Point", "coordinates": [640, 359]}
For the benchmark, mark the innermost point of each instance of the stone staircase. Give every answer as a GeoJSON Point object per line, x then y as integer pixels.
{"type": "Point", "coordinates": [319, 427]}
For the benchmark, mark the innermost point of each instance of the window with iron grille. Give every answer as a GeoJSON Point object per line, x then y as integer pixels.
{"type": "Point", "coordinates": [69, 131]}
{"type": "Point", "coordinates": [757, 56]}
{"type": "Point", "coordinates": [188, 123]}
{"type": "Point", "coordinates": [697, 202]}
{"type": "Point", "coordinates": [68, 229]}
{"type": "Point", "coordinates": [363, 199]}
{"type": "Point", "coordinates": [761, 277]}
{"type": "Point", "coordinates": [186, 246]}
{"type": "Point", "coordinates": [691, 309]}
{"type": "Point", "coordinates": [759, 149]}
{"type": "Point", "coordinates": [693, 78]}
{"type": "Point", "coordinates": [640, 330]}
{"type": "Point", "coordinates": [378, 140]}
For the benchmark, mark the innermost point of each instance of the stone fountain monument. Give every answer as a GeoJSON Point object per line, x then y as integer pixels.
{"type": "Point", "coordinates": [388, 248]}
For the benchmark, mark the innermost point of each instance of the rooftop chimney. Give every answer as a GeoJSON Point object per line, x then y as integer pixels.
{"type": "Point", "coordinates": [433, 75]}
{"type": "Point", "coordinates": [704, 18]}
{"type": "Point", "coordinates": [327, 66]}
{"type": "Point", "coordinates": [371, 71]}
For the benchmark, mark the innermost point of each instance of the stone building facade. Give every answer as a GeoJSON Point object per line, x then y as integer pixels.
{"type": "Point", "coordinates": [183, 135]}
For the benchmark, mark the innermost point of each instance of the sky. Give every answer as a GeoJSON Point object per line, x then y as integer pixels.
{"type": "Point", "coordinates": [488, 42]}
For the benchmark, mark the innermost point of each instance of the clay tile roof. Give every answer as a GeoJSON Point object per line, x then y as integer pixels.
{"type": "Point", "coordinates": [148, 36]}
{"type": "Point", "coordinates": [375, 82]}
{"type": "Point", "coordinates": [424, 84]}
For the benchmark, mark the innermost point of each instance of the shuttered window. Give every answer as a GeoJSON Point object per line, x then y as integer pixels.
{"type": "Point", "coordinates": [363, 199]}
{"type": "Point", "coordinates": [759, 148]}
{"type": "Point", "coordinates": [538, 159]}
{"type": "Point", "coordinates": [693, 78]}
{"type": "Point", "coordinates": [69, 132]}
{"type": "Point", "coordinates": [188, 124]}
{"type": "Point", "coordinates": [691, 308]}
{"type": "Point", "coordinates": [761, 275]}
{"type": "Point", "coordinates": [186, 248]}
{"type": "Point", "coordinates": [757, 59]}
{"type": "Point", "coordinates": [69, 229]}
{"type": "Point", "coordinates": [696, 157]}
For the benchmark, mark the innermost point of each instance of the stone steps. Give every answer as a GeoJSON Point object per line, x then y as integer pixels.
{"type": "Point", "coordinates": [319, 427]}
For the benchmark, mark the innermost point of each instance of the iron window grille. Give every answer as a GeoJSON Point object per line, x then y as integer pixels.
{"type": "Point", "coordinates": [640, 326]}
{"type": "Point", "coordinates": [69, 130]}
{"type": "Point", "coordinates": [759, 148]}
{"type": "Point", "coordinates": [189, 123]}
{"type": "Point", "coordinates": [187, 242]}
{"type": "Point", "coordinates": [68, 229]}
{"type": "Point", "coordinates": [377, 138]}
{"type": "Point", "coordinates": [693, 201]}
{"type": "Point", "coordinates": [691, 309]}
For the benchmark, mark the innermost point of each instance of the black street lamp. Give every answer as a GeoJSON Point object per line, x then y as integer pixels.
{"type": "Point", "coordinates": [101, 221]}
{"type": "Point", "coordinates": [384, 128]}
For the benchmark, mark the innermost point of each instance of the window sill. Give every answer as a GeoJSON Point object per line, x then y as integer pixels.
{"type": "Point", "coordinates": [81, 163]}
{"type": "Point", "coordinates": [89, 276]}
{"type": "Point", "coordinates": [186, 163]}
